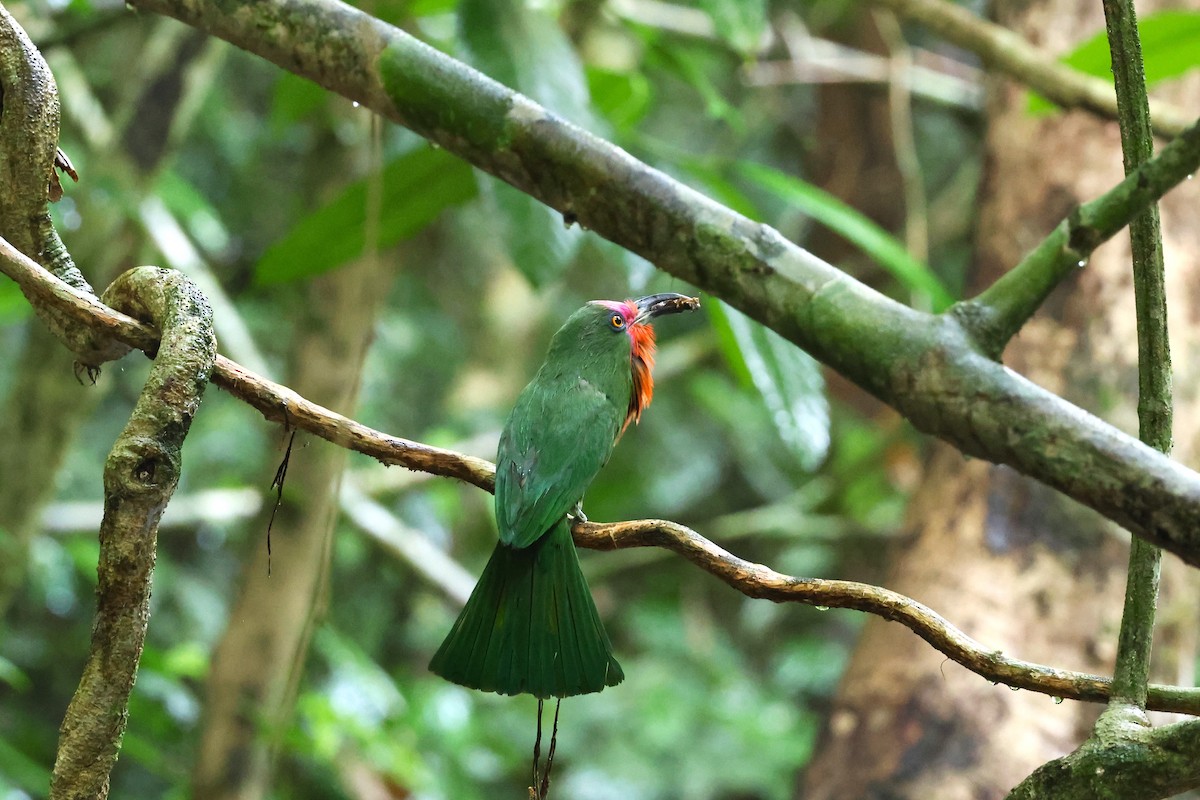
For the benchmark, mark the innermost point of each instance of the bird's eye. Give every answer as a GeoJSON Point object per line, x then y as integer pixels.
{"type": "Point", "coordinates": [617, 321]}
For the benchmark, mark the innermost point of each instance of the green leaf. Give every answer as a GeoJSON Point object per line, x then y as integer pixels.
{"type": "Point", "coordinates": [789, 380]}
{"type": "Point", "coordinates": [534, 235]}
{"type": "Point", "coordinates": [740, 23]}
{"type": "Point", "coordinates": [417, 187]}
{"type": "Point", "coordinates": [295, 98]}
{"type": "Point", "coordinates": [13, 676]}
{"type": "Point", "coordinates": [13, 305]}
{"type": "Point", "coordinates": [201, 219]}
{"type": "Point", "coordinates": [699, 69]}
{"type": "Point", "coordinates": [854, 227]}
{"type": "Point", "coordinates": [1170, 47]}
{"type": "Point", "coordinates": [724, 191]}
{"type": "Point", "coordinates": [622, 97]}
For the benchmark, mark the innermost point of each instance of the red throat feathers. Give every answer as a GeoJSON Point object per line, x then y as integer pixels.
{"type": "Point", "coordinates": [641, 361]}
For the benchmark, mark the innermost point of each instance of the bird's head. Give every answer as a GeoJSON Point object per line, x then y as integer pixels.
{"type": "Point", "coordinates": [633, 318]}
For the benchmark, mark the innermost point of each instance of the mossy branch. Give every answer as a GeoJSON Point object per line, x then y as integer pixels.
{"type": "Point", "coordinates": [997, 313]}
{"type": "Point", "coordinates": [279, 403]}
{"type": "Point", "coordinates": [29, 132]}
{"type": "Point", "coordinates": [1154, 352]}
{"type": "Point", "coordinates": [929, 368]}
{"type": "Point", "coordinates": [1159, 763]}
{"type": "Point", "coordinates": [140, 475]}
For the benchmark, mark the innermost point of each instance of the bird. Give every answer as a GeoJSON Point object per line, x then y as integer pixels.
{"type": "Point", "coordinates": [531, 626]}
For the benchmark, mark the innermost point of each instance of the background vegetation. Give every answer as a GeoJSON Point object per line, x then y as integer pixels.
{"type": "Point", "coordinates": [261, 185]}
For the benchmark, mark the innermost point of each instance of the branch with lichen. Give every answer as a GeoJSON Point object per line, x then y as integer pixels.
{"type": "Point", "coordinates": [143, 467]}
{"type": "Point", "coordinates": [1155, 765]}
{"type": "Point", "coordinates": [278, 403]}
{"type": "Point", "coordinates": [140, 475]}
{"type": "Point", "coordinates": [29, 131]}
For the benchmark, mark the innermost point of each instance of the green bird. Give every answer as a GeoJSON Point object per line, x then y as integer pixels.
{"type": "Point", "coordinates": [530, 626]}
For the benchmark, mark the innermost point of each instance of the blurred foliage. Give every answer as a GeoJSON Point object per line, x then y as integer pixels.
{"type": "Point", "coordinates": [270, 178]}
{"type": "Point", "coordinates": [1170, 47]}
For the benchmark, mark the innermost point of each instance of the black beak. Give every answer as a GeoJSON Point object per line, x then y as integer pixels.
{"type": "Point", "coordinates": [656, 305]}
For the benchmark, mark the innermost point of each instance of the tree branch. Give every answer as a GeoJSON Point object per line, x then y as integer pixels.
{"type": "Point", "coordinates": [1160, 763]}
{"type": "Point", "coordinates": [140, 475]}
{"type": "Point", "coordinates": [29, 131]}
{"type": "Point", "coordinates": [281, 404]}
{"type": "Point", "coordinates": [997, 313]}
{"type": "Point", "coordinates": [927, 367]}
{"type": "Point", "coordinates": [1004, 51]}
{"type": "Point", "coordinates": [1154, 355]}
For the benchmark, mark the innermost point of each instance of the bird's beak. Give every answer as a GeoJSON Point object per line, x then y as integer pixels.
{"type": "Point", "coordinates": [656, 305]}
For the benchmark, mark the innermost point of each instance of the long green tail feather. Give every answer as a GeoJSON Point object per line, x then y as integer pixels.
{"type": "Point", "coordinates": [530, 626]}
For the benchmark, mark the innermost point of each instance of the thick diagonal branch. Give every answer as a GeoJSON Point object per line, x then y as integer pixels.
{"type": "Point", "coordinates": [139, 477]}
{"type": "Point", "coordinates": [927, 367]}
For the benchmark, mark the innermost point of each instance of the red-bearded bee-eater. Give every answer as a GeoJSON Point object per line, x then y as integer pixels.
{"type": "Point", "coordinates": [530, 626]}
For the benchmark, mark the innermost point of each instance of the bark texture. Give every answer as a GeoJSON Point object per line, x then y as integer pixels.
{"type": "Point", "coordinates": [140, 475]}
{"type": "Point", "coordinates": [1017, 565]}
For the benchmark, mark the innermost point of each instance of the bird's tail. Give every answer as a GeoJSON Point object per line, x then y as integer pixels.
{"type": "Point", "coordinates": [530, 626]}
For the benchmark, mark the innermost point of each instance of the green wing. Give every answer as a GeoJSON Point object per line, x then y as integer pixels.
{"type": "Point", "coordinates": [558, 436]}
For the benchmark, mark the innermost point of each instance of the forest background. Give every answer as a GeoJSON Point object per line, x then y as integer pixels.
{"type": "Point", "coordinates": [387, 280]}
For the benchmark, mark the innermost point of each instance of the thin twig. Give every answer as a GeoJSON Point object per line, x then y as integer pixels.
{"type": "Point", "coordinates": [904, 141]}
{"type": "Point", "coordinates": [1154, 352]}
{"type": "Point", "coordinates": [758, 581]}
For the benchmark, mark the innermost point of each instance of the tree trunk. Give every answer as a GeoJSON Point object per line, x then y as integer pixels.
{"type": "Point", "coordinates": [259, 662]}
{"type": "Point", "coordinates": [1016, 565]}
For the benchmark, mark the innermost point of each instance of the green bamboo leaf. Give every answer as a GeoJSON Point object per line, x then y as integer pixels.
{"type": "Point", "coordinates": [789, 380]}
{"type": "Point", "coordinates": [198, 216]}
{"type": "Point", "coordinates": [723, 190]}
{"type": "Point", "coordinates": [417, 187]}
{"type": "Point", "coordinates": [853, 226]}
{"type": "Point", "coordinates": [1170, 47]}
{"type": "Point", "coordinates": [701, 69]}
